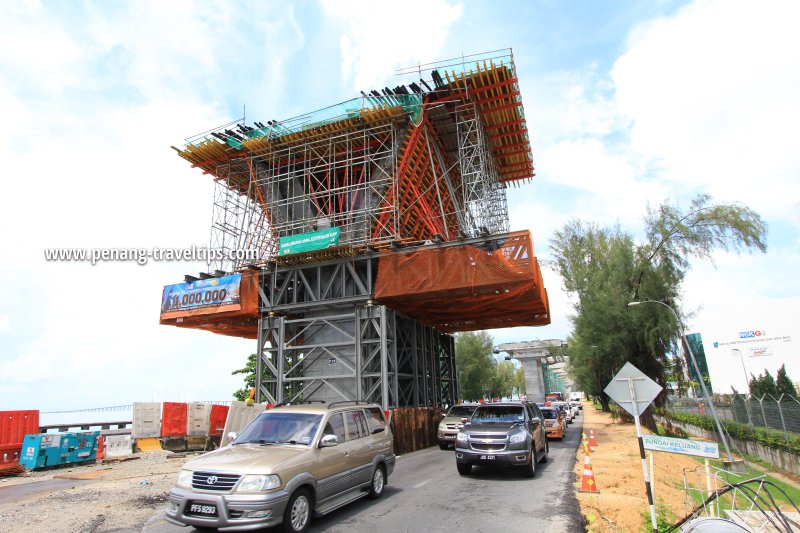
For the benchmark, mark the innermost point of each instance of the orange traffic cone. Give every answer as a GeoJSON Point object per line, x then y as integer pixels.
{"type": "Point", "coordinates": [592, 440]}
{"type": "Point", "coordinates": [586, 448]}
{"type": "Point", "coordinates": [587, 480]}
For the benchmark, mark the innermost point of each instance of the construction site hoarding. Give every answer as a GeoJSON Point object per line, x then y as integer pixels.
{"type": "Point", "coordinates": [173, 419]}
{"type": "Point", "coordinates": [146, 420]}
{"type": "Point", "coordinates": [14, 425]}
{"type": "Point", "coordinates": [239, 415]}
{"type": "Point", "coordinates": [198, 418]}
{"type": "Point", "coordinates": [217, 418]}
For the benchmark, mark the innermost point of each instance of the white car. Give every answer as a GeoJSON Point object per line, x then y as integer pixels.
{"type": "Point", "coordinates": [577, 398]}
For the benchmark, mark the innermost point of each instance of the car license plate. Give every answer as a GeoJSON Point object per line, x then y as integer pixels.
{"type": "Point", "coordinates": [487, 457]}
{"type": "Point", "coordinates": [202, 509]}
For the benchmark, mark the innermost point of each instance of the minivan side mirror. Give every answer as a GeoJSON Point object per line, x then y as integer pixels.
{"type": "Point", "coordinates": [464, 420]}
{"type": "Point", "coordinates": [328, 440]}
{"type": "Point", "coordinates": [536, 420]}
{"type": "Point", "coordinates": [232, 436]}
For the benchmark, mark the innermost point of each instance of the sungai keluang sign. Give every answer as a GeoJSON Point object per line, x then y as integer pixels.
{"type": "Point", "coordinates": [697, 448]}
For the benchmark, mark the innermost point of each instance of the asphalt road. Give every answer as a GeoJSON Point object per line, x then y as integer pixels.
{"type": "Point", "coordinates": [426, 494]}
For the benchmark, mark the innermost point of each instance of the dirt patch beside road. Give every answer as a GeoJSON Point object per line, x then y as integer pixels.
{"type": "Point", "coordinates": [90, 498]}
{"type": "Point", "coordinates": [617, 468]}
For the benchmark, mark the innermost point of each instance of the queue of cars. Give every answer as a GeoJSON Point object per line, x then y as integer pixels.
{"type": "Point", "coordinates": [504, 433]}
{"type": "Point", "coordinates": [293, 462]}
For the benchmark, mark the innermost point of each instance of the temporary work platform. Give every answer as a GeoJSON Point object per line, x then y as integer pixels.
{"type": "Point", "coordinates": [406, 188]}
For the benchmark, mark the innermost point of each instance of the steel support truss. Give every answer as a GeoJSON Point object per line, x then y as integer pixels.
{"type": "Point", "coordinates": [322, 338]}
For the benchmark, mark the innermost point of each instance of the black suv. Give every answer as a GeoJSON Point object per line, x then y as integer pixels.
{"type": "Point", "coordinates": [502, 434]}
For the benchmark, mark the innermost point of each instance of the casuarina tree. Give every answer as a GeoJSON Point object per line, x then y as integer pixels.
{"type": "Point", "coordinates": [605, 268]}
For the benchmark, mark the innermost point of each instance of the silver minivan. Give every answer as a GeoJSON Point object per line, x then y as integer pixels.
{"type": "Point", "coordinates": [287, 465]}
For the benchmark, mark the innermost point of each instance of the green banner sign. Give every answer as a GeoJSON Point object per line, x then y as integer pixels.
{"type": "Point", "coordinates": [309, 242]}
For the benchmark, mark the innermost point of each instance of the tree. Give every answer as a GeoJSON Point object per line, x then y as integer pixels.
{"type": "Point", "coordinates": [784, 384]}
{"type": "Point", "coordinates": [503, 380]}
{"type": "Point", "coordinates": [604, 268]}
{"type": "Point", "coordinates": [519, 381]}
{"type": "Point", "coordinates": [762, 385]}
{"type": "Point", "coordinates": [475, 364]}
{"type": "Point", "coordinates": [249, 372]}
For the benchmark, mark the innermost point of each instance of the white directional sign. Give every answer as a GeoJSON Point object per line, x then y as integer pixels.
{"type": "Point", "coordinates": [697, 448]}
{"type": "Point", "coordinates": [645, 388]}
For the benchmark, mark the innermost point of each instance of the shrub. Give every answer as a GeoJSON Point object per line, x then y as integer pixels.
{"type": "Point", "coordinates": [771, 438]}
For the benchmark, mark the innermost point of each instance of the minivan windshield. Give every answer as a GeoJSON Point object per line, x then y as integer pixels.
{"type": "Point", "coordinates": [280, 428]}
{"type": "Point", "coordinates": [500, 414]}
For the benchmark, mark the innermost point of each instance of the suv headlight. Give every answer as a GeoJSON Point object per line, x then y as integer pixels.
{"type": "Point", "coordinates": [256, 483]}
{"type": "Point", "coordinates": [517, 437]}
{"type": "Point", "coordinates": [461, 436]}
{"type": "Point", "coordinates": [185, 479]}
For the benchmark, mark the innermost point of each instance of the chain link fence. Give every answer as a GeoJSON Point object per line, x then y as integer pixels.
{"type": "Point", "coordinates": [782, 413]}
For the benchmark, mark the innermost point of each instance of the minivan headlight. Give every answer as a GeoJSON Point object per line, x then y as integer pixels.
{"type": "Point", "coordinates": [256, 483]}
{"type": "Point", "coordinates": [461, 436]}
{"type": "Point", "coordinates": [517, 437]}
{"type": "Point", "coordinates": [185, 479]}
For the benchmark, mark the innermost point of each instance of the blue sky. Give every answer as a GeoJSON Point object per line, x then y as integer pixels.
{"type": "Point", "coordinates": [628, 103]}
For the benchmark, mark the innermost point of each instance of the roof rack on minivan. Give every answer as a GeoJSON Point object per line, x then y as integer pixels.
{"type": "Point", "coordinates": [299, 402]}
{"type": "Point", "coordinates": [354, 402]}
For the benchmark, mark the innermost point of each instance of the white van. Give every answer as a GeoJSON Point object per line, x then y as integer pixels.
{"type": "Point", "coordinates": [577, 397]}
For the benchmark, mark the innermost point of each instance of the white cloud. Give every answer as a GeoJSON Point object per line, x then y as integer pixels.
{"type": "Point", "coordinates": [380, 37]}
{"type": "Point", "coordinates": [87, 163]}
{"type": "Point", "coordinates": [712, 92]}
{"type": "Point", "coordinates": [568, 104]}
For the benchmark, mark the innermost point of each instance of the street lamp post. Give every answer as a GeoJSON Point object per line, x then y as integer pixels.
{"type": "Point", "coordinates": [699, 376]}
{"type": "Point", "coordinates": [746, 381]}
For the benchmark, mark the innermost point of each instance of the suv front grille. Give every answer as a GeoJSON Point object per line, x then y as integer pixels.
{"type": "Point", "coordinates": [493, 447]}
{"type": "Point", "coordinates": [495, 436]}
{"type": "Point", "coordinates": [214, 481]}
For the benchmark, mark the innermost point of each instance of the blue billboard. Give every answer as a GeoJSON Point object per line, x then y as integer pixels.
{"type": "Point", "coordinates": [213, 292]}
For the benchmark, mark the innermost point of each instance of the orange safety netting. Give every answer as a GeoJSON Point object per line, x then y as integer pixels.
{"type": "Point", "coordinates": [466, 288]}
{"type": "Point", "coordinates": [238, 320]}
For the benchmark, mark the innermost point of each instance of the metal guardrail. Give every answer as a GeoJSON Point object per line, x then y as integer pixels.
{"type": "Point", "coordinates": [121, 428]}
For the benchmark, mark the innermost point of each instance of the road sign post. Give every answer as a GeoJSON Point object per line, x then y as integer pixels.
{"type": "Point", "coordinates": [634, 392]}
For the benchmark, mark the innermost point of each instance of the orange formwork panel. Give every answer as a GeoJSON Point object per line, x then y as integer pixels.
{"type": "Point", "coordinates": [466, 288]}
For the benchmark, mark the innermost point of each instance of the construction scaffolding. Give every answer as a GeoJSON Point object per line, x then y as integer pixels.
{"type": "Point", "coordinates": [393, 167]}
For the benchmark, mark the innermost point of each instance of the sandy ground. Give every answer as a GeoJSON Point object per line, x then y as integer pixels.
{"type": "Point", "coordinates": [621, 504]}
{"type": "Point", "coordinates": [98, 498]}
{"type": "Point", "coordinates": [617, 469]}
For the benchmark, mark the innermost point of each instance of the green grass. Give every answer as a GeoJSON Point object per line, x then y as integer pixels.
{"type": "Point", "coordinates": [664, 518]}
{"type": "Point", "coordinates": [792, 491]}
